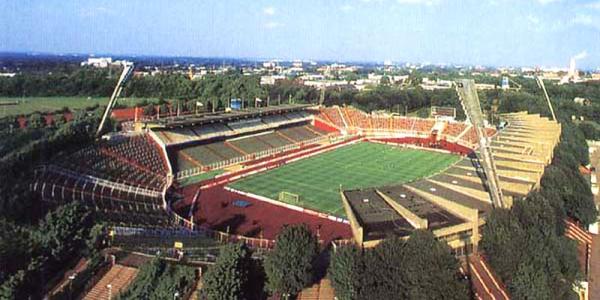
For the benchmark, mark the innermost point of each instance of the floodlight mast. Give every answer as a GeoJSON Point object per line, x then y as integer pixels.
{"type": "Point", "coordinates": [540, 82]}
{"type": "Point", "coordinates": [125, 75]}
{"type": "Point", "coordinates": [467, 92]}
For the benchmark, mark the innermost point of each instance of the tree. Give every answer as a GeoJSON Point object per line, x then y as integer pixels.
{"type": "Point", "coordinates": [345, 271]}
{"type": "Point", "coordinates": [289, 267]}
{"type": "Point", "coordinates": [431, 274]}
{"type": "Point", "coordinates": [229, 277]}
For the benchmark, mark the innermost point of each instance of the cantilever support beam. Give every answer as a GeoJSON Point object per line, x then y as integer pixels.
{"type": "Point", "coordinates": [125, 75]}
{"type": "Point", "coordinates": [467, 92]}
{"type": "Point", "coordinates": [540, 82]}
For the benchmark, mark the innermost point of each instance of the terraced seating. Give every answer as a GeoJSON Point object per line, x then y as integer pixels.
{"type": "Point", "coordinates": [202, 154]}
{"type": "Point", "coordinates": [224, 150]}
{"type": "Point", "coordinates": [401, 123]}
{"type": "Point", "coordinates": [250, 144]}
{"type": "Point", "coordinates": [249, 125]}
{"type": "Point", "coordinates": [180, 135]}
{"type": "Point", "coordinates": [299, 133]}
{"type": "Point", "coordinates": [357, 118]}
{"type": "Point", "coordinates": [454, 129]}
{"type": "Point", "coordinates": [274, 140]}
{"type": "Point", "coordinates": [135, 161]}
{"type": "Point", "coordinates": [209, 131]}
{"type": "Point", "coordinates": [380, 123]}
{"type": "Point", "coordinates": [332, 115]}
{"type": "Point", "coordinates": [276, 120]}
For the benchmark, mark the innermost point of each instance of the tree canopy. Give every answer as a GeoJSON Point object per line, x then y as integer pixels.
{"type": "Point", "coordinates": [398, 269]}
{"type": "Point", "coordinates": [289, 266]}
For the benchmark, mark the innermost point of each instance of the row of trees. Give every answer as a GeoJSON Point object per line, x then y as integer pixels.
{"type": "Point", "coordinates": [160, 280]}
{"type": "Point", "coordinates": [395, 269]}
{"type": "Point", "coordinates": [526, 245]}
{"type": "Point", "coordinates": [527, 249]}
{"type": "Point", "coordinates": [417, 268]}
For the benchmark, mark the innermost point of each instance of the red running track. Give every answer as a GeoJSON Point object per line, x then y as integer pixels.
{"type": "Point", "coordinates": [215, 210]}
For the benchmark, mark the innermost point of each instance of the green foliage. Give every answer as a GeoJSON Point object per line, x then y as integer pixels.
{"type": "Point", "coordinates": [32, 257]}
{"type": "Point", "coordinates": [229, 277]}
{"type": "Point", "coordinates": [159, 280]}
{"type": "Point", "coordinates": [289, 267]}
{"type": "Point", "coordinates": [345, 271]}
{"type": "Point", "coordinates": [525, 250]}
{"type": "Point", "coordinates": [398, 269]}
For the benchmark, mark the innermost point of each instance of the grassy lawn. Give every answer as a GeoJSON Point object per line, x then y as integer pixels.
{"type": "Point", "coordinates": [200, 177]}
{"type": "Point", "coordinates": [317, 179]}
{"type": "Point", "coordinates": [29, 105]}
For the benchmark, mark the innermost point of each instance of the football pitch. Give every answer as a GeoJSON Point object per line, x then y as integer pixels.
{"type": "Point", "coordinates": [317, 179]}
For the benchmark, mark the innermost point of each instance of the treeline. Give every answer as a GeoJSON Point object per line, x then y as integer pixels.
{"type": "Point", "coordinates": [395, 269]}
{"type": "Point", "coordinates": [218, 89]}
{"type": "Point", "coordinates": [526, 245]}
{"type": "Point", "coordinates": [160, 280]}
{"type": "Point", "coordinates": [32, 258]}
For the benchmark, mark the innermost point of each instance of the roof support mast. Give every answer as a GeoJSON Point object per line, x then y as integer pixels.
{"type": "Point", "coordinates": [125, 75]}
{"type": "Point", "coordinates": [467, 92]}
{"type": "Point", "coordinates": [540, 82]}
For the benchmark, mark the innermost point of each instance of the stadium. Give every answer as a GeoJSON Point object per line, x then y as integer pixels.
{"type": "Point", "coordinates": [349, 175]}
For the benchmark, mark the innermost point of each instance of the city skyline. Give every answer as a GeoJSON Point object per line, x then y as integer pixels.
{"type": "Point", "coordinates": [543, 33]}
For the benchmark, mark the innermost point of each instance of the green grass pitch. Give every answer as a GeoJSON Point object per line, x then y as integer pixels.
{"type": "Point", "coordinates": [317, 179]}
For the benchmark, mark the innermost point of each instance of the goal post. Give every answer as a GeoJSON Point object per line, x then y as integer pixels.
{"type": "Point", "coordinates": [288, 197]}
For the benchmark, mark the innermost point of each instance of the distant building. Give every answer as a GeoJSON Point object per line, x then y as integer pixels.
{"type": "Point", "coordinates": [504, 85]}
{"type": "Point", "coordinates": [98, 62]}
{"type": "Point", "coordinates": [582, 101]}
{"type": "Point", "coordinates": [271, 79]}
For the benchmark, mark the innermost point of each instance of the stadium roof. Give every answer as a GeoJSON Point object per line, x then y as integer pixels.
{"type": "Point", "coordinates": [220, 117]}
{"type": "Point", "coordinates": [376, 216]}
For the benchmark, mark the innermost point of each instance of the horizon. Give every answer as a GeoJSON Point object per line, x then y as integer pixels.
{"type": "Point", "coordinates": [496, 33]}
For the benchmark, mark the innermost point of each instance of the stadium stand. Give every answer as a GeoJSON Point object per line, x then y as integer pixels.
{"type": "Point", "coordinates": [215, 154]}
{"type": "Point", "coordinates": [122, 179]}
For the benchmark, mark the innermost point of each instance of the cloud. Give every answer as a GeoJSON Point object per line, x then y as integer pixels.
{"type": "Point", "coordinates": [582, 19]}
{"type": "Point", "coordinates": [269, 10]}
{"type": "Point", "coordinates": [533, 19]}
{"type": "Point", "coordinates": [273, 25]}
{"type": "Point", "coordinates": [593, 5]}
{"type": "Point", "coordinates": [346, 7]}
{"type": "Point", "coordinates": [581, 55]}
{"type": "Point", "coordinates": [419, 2]}
{"type": "Point", "coordinates": [95, 11]}
{"type": "Point", "coordinates": [544, 2]}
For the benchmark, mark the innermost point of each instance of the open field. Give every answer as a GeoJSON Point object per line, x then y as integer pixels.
{"type": "Point", "coordinates": [29, 105]}
{"type": "Point", "coordinates": [317, 179]}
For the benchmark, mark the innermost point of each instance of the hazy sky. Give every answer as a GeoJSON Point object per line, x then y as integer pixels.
{"type": "Point", "coordinates": [490, 32]}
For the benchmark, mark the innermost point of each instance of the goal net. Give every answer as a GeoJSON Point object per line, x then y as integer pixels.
{"type": "Point", "coordinates": [288, 197]}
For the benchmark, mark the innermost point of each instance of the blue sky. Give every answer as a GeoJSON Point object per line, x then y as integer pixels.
{"type": "Point", "coordinates": [488, 32]}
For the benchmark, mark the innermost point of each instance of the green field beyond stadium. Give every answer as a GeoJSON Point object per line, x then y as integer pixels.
{"type": "Point", "coordinates": [317, 179]}
{"type": "Point", "coordinates": [13, 106]}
